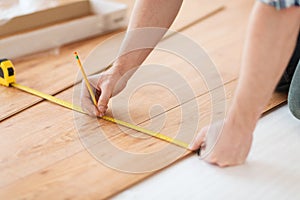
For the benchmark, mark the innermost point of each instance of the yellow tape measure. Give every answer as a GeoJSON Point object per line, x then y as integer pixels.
{"type": "Point", "coordinates": [7, 78]}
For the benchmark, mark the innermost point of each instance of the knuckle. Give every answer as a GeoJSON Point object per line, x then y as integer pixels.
{"type": "Point", "coordinates": [103, 101]}
{"type": "Point", "coordinates": [106, 86]}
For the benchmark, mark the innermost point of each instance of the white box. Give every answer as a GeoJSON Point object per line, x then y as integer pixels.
{"type": "Point", "coordinates": [107, 16]}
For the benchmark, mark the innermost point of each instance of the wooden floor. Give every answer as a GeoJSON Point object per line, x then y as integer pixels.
{"type": "Point", "coordinates": [42, 156]}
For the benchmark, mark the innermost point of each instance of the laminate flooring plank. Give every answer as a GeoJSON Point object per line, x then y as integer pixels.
{"type": "Point", "coordinates": [52, 158]}
{"type": "Point", "coordinates": [190, 13]}
{"type": "Point", "coordinates": [59, 165]}
{"type": "Point", "coordinates": [48, 159]}
{"type": "Point", "coordinates": [52, 73]}
{"type": "Point", "coordinates": [45, 72]}
{"type": "Point", "coordinates": [47, 129]}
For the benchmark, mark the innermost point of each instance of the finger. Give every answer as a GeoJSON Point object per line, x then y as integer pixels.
{"type": "Point", "coordinates": [90, 109]}
{"type": "Point", "coordinates": [86, 101]}
{"type": "Point", "coordinates": [199, 140]}
{"type": "Point", "coordinates": [93, 80]}
{"type": "Point", "coordinates": [103, 100]}
{"type": "Point", "coordinates": [211, 160]}
{"type": "Point", "coordinates": [218, 161]}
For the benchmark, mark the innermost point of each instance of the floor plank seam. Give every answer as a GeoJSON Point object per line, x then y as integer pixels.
{"type": "Point", "coordinates": [222, 8]}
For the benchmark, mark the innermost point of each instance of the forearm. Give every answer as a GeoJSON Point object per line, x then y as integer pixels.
{"type": "Point", "coordinates": [139, 43]}
{"type": "Point", "coordinates": [268, 48]}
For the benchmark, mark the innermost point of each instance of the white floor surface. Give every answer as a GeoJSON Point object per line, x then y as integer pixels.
{"type": "Point", "coordinates": [272, 170]}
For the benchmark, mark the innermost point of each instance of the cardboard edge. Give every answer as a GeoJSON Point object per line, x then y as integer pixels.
{"type": "Point", "coordinates": [113, 17]}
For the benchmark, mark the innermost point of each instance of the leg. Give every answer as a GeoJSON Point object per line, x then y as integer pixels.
{"type": "Point", "coordinates": [294, 93]}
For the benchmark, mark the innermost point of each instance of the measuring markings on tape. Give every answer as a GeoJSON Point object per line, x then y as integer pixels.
{"type": "Point", "coordinates": [107, 118]}
{"type": "Point", "coordinates": [7, 78]}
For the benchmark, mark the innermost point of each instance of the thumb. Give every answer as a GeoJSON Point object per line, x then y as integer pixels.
{"type": "Point", "coordinates": [199, 140]}
{"type": "Point", "coordinates": [103, 100]}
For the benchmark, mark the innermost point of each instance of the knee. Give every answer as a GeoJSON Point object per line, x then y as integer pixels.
{"type": "Point", "coordinates": [294, 107]}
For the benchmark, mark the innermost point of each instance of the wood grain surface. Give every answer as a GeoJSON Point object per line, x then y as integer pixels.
{"type": "Point", "coordinates": [53, 159]}
{"type": "Point", "coordinates": [55, 71]}
{"type": "Point", "coordinates": [43, 156]}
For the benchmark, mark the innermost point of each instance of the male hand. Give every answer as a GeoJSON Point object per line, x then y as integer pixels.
{"type": "Point", "coordinates": [224, 143]}
{"type": "Point", "coordinates": [105, 85]}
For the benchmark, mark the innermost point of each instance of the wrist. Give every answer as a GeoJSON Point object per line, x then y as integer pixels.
{"type": "Point", "coordinates": [118, 72]}
{"type": "Point", "coordinates": [123, 69]}
{"type": "Point", "coordinates": [242, 116]}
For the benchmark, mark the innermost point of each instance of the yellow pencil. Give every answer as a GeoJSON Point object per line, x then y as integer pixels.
{"type": "Point", "coordinates": [85, 79]}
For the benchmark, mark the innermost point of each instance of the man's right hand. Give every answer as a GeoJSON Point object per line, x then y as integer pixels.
{"type": "Point", "coordinates": [105, 85]}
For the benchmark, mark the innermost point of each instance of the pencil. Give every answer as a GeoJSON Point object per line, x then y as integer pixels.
{"type": "Point", "coordinates": [85, 79]}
